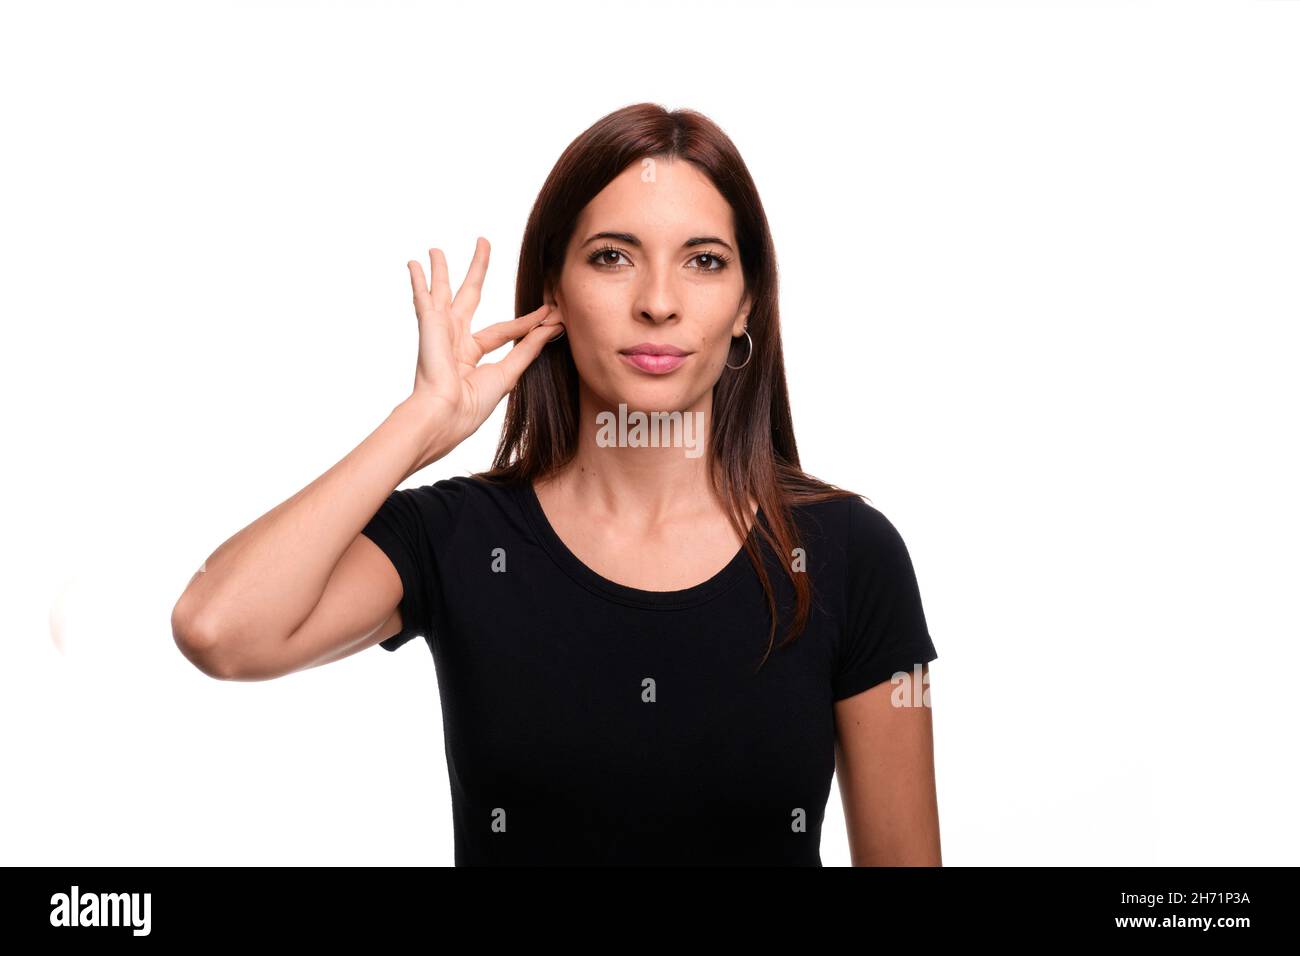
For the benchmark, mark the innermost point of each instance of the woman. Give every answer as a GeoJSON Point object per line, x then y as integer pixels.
{"type": "Point", "coordinates": [655, 637]}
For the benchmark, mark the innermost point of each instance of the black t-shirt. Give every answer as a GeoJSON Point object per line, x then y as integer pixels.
{"type": "Point", "coordinates": [587, 722]}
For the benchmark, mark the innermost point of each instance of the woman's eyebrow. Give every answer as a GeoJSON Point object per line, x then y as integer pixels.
{"type": "Point", "coordinates": [634, 241]}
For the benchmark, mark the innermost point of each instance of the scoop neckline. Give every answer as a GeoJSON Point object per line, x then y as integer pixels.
{"type": "Point", "coordinates": [572, 565]}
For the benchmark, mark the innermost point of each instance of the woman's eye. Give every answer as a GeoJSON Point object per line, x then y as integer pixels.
{"type": "Point", "coordinates": [715, 263]}
{"type": "Point", "coordinates": [606, 257]}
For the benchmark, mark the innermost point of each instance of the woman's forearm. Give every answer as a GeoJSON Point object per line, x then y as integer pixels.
{"type": "Point", "coordinates": [263, 582]}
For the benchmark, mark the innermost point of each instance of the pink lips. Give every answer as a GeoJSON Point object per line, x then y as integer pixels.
{"type": "Point", "coordinates": [655, 359]}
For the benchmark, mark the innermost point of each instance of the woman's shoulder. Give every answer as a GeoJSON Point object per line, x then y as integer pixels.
{"type": "Point", "coordinates": [457, 493]}
{"type": "Point", "coordinates": [460, 485]}
{"type": "Point", "coordinates": [854, 525]}
{"type": "Point", "coordinates": [441, 502]}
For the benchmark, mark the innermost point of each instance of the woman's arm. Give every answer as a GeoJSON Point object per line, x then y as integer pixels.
{"type": "Point", "coordinates": [240, 617]}
{"type": "Point", "coordinates": [301, 585]}
{"type": "Point", "coordinates": [884, 761]}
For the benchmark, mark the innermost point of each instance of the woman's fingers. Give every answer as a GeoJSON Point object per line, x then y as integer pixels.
{"type": "Point", "coordinates": [440, 285]}
{"type": "Point", "coordinates": [506, 372]}
{"type": "Point", "coordinates": [420, 293]}
{"type": "Point", "coordinates": [419, 288]}
{"type": "Point", "coordinates": [434, 360]}
{"type": "Point", "coordinates": [467, 296]}
{"type": "Point", "coordinates": [498, 334]}
{"type": "Point", "coordinates": [448, 367]}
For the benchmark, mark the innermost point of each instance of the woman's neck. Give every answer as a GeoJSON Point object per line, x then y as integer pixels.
{"type": "Point", "coordinates": [639, 467]}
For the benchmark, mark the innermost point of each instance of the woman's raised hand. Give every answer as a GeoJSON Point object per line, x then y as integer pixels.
{"type": "Point", "coordinates": [451, 388]}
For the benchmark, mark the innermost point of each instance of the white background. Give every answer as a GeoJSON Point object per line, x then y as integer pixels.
{"type": "Point", "coordinates": [1039, 289]}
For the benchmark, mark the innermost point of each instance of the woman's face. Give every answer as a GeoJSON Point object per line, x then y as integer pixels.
{"type": "Point", "coordinates": [653, 265]}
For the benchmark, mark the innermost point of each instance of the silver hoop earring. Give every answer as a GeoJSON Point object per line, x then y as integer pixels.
{"type": "Point", "coordinates": [747, 357]}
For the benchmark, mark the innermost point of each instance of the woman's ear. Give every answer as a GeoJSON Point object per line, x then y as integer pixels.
{"type": "Point", "coordinates": [742, 317]}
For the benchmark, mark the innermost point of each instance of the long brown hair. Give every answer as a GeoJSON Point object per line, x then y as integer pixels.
{"type": "Point", "coordinates": [751, 449]}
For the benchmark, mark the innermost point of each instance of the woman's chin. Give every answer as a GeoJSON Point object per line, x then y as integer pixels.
{"type": "Point", "coordinates": [650, 398]}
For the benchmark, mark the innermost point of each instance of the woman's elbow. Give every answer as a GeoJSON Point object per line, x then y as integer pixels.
{"type": "Point", "coordinates": [198, 637]}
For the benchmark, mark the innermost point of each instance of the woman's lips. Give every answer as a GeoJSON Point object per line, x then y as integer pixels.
{"type": "Point", "coordinates": [652, 363]}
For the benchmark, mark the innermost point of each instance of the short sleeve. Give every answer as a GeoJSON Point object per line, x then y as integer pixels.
{"type": "Point", "coordinates": [412, 527]}
{"type": "Point", "coordinates": [885, 629]}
